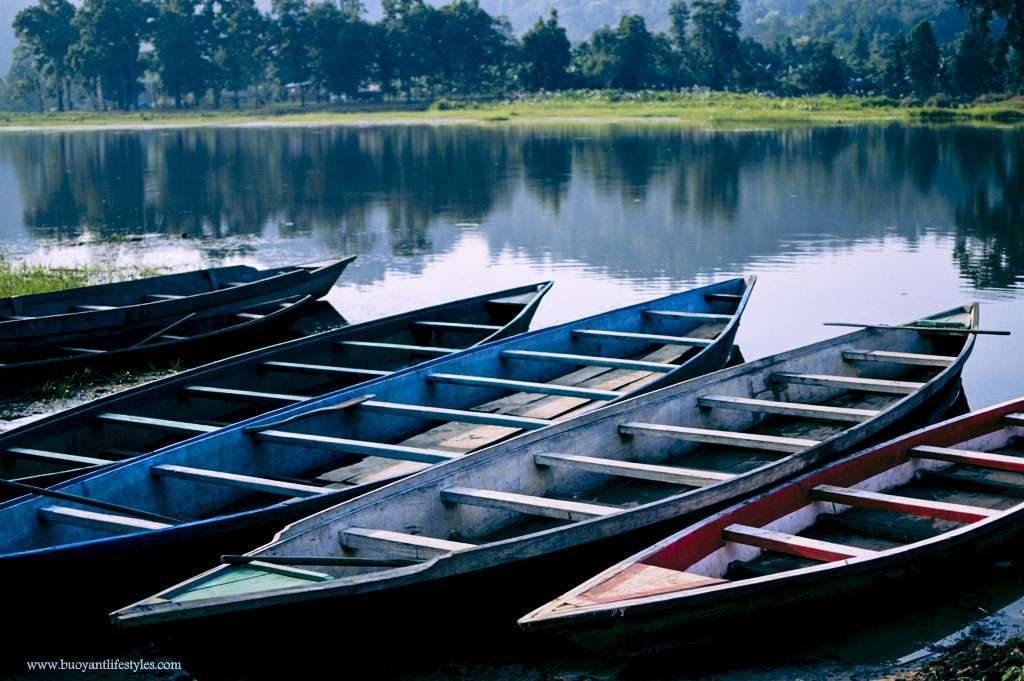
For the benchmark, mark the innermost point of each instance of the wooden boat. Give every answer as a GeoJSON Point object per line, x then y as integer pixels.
{"type": "Point", "coordinates": [200, 333]}
{"type": "Point", "coordinates": [909, 508]}
{"type": "Point", "coordinates": [187, 504]}
{"type": "Point", "coordinates": [79, 314]}
{"type": "Point", "coordinates": [101, 433]}
{"type": "Point", "coordinates": [481, 533]}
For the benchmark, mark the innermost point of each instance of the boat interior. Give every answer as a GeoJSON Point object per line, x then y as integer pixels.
{"type": "Point", "coordinates": [171, 411]}
{"type": "Point", "coordinates": [660, 446]}
{"type": "Point", "coordinates": [349, 439]}
{"type": "Point", "coordinates": [883, 501]}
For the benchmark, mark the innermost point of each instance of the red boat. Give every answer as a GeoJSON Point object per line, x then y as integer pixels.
{"type": "Point", "coordinates": [906, 508]}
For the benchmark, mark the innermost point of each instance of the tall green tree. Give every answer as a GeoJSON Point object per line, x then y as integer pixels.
{"type": "Point", "coordinates": [972, 65]}
{"type": "Point", "coordinates": [48, 31]}
{"type": "Point", "coordinates": [472, 50]}
{"type": "Point", "coordinates": [894, 66]}
{"type": "Point", "coordinates": [110, 33]}
{"type": "Point", "coordinates": [635, 49]}
{"type": "Point", "coordinates": [182, 40]}
{"type": "Point", "coordinates": [340, 48]}
{"type": "Point", "coordinates": [1010, 11]}
{"type": "Point", "coordinates": [237, 36]}
{"type": "Point", "coordinates": [679, 17]}
{"type": "Point", "coordinates": [824, 72]}
{"type": "Point", "coordinates": [716, 41]}
{"type": "Point", "coordinates": [923, 59]}
{"type": "Point", "coordinates": [546, 55]}
{"type": "Point", "coordinates": [288, 41]}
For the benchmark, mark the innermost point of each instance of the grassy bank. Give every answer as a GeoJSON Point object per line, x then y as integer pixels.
{"type": "Point", "coordinates": [707, 109]}
{"type": "Point", "coordinates": [24, 278]}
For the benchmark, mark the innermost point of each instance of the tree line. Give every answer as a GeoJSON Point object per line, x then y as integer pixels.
{"type": "Point", "coordinates": [108, 53]}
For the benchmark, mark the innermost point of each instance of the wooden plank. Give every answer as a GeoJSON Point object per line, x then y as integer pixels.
{"type": "Point", "coordinates": [398, 543]}
{"type": "Point", "coordinates": [729, 438]}
{"type": "Point", "coordinates": [799, 409]}
{"type": "Point", "coordinates": [646, 337]}
{"type": "Point", "coordinates": [55, 457]}
{"type": "Point", "coordinates": [722, 297]}
{"type": "Point", "coordinates": [524, 503]}
{"type": "Point", "coordinates": [159, 424]}
{"type": "Point", "coordinates": [288, 489]}
{"type": "Point", "coordinates": [93, 308]}
{"type": "Point", "coordinates": [923, 328]}
{"type": "Point", "coordinates": [299, 367]}
{"type": "Point", "coordinates": [913, 359]}
{"type": "Point", "coordinates": [106, 522]}
{"type": "Point", "coordinates": [163, 296]}
{"type": "Point", "coordinates": [524, 386]}
{"type": "Point", "coordinates": [1014, 420]}
{"type": "Point", "coordinates": [459, 415]}
{"type": "Point", "coordinates": [1000, 462]}
{"type": "Point", "coordinates": [700, 316]}
{"type": "Point", "coordinates": [413, 349]}
{"type": "Point", "coordinates": [362, 447]}
{"type": "Point", "coordinates": [871, 385]}
{"type": "Point", "coordinates": [901, 504]}
{"type": "Point", "coordinates": [792, 544]}
{"type": "Point", "coordinates": [456, 326]}
{"type": "Point", "coordinates": [83, 351]}
{"type": "Point", "coordinates": [231, 394]}
{"type": "Point", "coordinates": [963, 480]}
{"type": "Point", "coordinates": [588, 360]}
{"type": "Point", "coordinates": [672, 475]}
{"type": "Point", "coordinates": [250, 315]}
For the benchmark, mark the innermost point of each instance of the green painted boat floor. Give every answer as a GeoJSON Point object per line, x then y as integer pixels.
{"type": "Point", "coordinates": [242, 580]}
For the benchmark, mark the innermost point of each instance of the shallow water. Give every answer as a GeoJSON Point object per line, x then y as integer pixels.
{"type": "Point", "coordinates": [857, 224]}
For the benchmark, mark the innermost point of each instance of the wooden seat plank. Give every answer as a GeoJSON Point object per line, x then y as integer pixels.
{"type": "Point", "coordinates": [414, 349]}
{"type": "Point", "coordinates": [982, 459]}
{"type": "Point", "coordinates": [849, 383]}
{"type": "Point", "coordinates": [460, 415]}
{"type": "Point", "coordinates": [524, 503]}
{"type": "Point", "coordinates": [159, 424]}
{"type": "Point", "coordinates": [107, 522]}
{"type": "Point", "coordinates": [458, 326]}
{"type": "Point", "coordinates": [700, 316]}
{"type": "Point", "coordinates": [524, 386]}
{"type": "Point", "coordinates": [55, 457]}
{"type": "Point", "coordinates": [901, 504]}
{"type": "Point", "coordinates": [646, 337]}
{"type": "Point", "coordinates": [288, 489]}
{"type": "Point", "coordinates": [585, 360]}
{"type": "Point", "coordinates": [802, 410]}
{"type": "Point", "coordinates": [299, 367]}
{"type": "Point", "coordinates": [361, 447]}
{"type": "Point", "coordinates": [242, 395]}
{"type": "Point", "coordinates": [399, 544]}
{"type": "Point", "coordinates": [719, 437]}
{"type": "Point", "coordinates": [911, 358]}
{"type": "Point", "coordinates": [792, 544]}
{"type": "Point", "coordinates": [673, 475]}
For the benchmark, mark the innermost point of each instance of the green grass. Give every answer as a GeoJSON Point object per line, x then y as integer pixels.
{"type": "Point", "coordinates": [24, 278]}
{"type": "Point", "coordinates": [687, 108]}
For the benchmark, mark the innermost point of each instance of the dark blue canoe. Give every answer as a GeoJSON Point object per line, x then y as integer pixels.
{"type": "Point", "coordinates": [232, 485]}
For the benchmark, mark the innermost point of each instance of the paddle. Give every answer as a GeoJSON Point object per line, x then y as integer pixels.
{"type": "Point", "coordinates": [912, 327]}
{"type": "Point", "coordinates": [318, 560]}
{"type": "Point", "coordinates": [86, 501]}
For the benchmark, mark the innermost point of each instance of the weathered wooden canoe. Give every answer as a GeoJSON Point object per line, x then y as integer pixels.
{"type": "Point", "coordinates": [72, 315]}
{"type": "Point", "coordinates": [853, 530]}
{"type": "Point", "coordinates": [101, 432]}
{"type": "Point", "coordinates": [131, 345]}
{"type": "Point", "coordinates": [187, 504]}
{"type": "Point", "coordinates": [517, 515]}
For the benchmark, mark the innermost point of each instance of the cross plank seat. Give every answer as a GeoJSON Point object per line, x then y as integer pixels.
{"type": "Point", "coordinates": [300, 367]}
{"type": "Point", "coordinates": [722, 297]}
{"type": "Point", "coordinates": [1001, 462]}
{"type": "Point", "coordinates": [914, 359]}
{"type": "Point", "coordinates": [242, 395]}
{"type": "Point", "coordinates": [54, 457]}
{"type": "Point", "coordinates": [673, 475]}
{"type": "Point", "coordinates": [524, 503]}
{"type": "Point", "coordinates": [699, 316]}
{"type": "Point", "coordinates": [93, 308]}
{"type": "Point", "coordinates": [158, 424]}
{"type": "Point", "coordinates": [459, 415]}
{"type": "Point", "coordinates": [901, 504]}
{"type": "Point", "coordinates": [876, 385]}
{"type": "Point", "coordinates": [412, 349]}
{"type": "Point", "coordinates": [730, 438]}
{"type": "Point", "coordinates": [360, 447]}
{"type": "Point", "coordinates": [82, 351]}
{"type": "Point", "coordinates": [106, 522]}
{"type": "Point", "coordinates": [249, 315]}
{"type": "Point", "coordinates": [588, 360]}
{"type": "Point", "coordinates": [646, 337]}
{"type": "Point", "coordinates": [288, 489]}
{"type": "Point", "coordinates": [792, 544]}
{"type": "Point", "coordinates": [1014, 419]}
{"type": "Point", "coordinates": [802, 410]}
{"type": "Point", "coordinates": [400, 544]}
{"type": "Point", "coordinates": [457, 326]}
{"type": "Point", "coordinates": [163, 296]}
{"type": "Point", "coordinates": [524, 386]}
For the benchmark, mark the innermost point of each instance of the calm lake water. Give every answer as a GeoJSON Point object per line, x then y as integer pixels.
{"type": "Point", "coordinates": [858, 224]}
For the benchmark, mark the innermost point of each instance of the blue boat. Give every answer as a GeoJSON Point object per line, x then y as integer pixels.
{"type": "Point", "coordinates": [127, 528]}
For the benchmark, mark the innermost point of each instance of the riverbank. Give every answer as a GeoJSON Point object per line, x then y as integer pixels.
{"type": "Point", "coordinates": [694, 109]}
